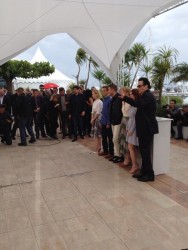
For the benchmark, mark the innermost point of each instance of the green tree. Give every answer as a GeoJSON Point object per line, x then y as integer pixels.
{"type": "Point", "coordinates": [163, 64]}
{"type": "Point", "coordinates": [147, 69]}
{"type": "Point", "coordinates": [106, 81]}
{"type": "Point", "coordinates": [81, 57]}
{"type": "Point", "coordinates": [82, 82]}
{"type": "Point", "coordinates": [128, 62]}
{"type": "Point", "coordinates": [131, 64]}
{"type": "Point", "coordinates": [180, 72]}
{"type": "Point", "coordinates": [99, 75]}
{"type": "Point", "coordinates": [71, 86]}
{"type": "Point", "coordinates": [91, 64]}
{"type": "Point", "coordinates": [125, 80]}
{"type": "Point", "coordinates": [14, 68]}
{"type": "Point", "coordinates": [138, 53]}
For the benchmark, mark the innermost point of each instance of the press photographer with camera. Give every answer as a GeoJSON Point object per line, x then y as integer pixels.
{"type": "Point", "coordinates": [182, 120]}
{"type": "Point", "coordinates": [170, 112]}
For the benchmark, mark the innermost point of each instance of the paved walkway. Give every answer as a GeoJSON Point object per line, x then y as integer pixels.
{"type": "Point", "coordinates": [64, 196]}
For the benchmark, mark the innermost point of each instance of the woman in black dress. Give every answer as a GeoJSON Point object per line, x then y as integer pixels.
{"type": "Point", "coordinates": [53, 111]}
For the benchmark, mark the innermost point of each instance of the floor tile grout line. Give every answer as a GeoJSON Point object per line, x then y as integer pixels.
{"type": "Point", "coordinates": [97, 212]}
{"type": "Point", "coordinates": [31, 224]}
{"type": "Point", "coordinates": [160, 181]}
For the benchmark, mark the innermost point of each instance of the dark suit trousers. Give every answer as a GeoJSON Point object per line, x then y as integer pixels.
{"type": "Point", "coordinates": [66, 124]}
{"type": "Point", "coordinates": [145, 146]}
{"type": "Point", "coordinates": [77, 125]}
{"type": "Point", "coordinates": [25, 123]}
{"type": "Point", "coordinates": [107, 143]}
{"type": "Point", "coordinates": [15, 126]}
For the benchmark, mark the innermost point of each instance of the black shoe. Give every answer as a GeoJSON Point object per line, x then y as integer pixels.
{"type": "Point", "coordinates": [63, 137]}
{"type": "Point", "coordinates": [37, 137]}
{"type": "Point", "coordinates": [172, 135]}
{"type": "Point", "coordinates": [22, 144]}
{"type": "Point", "coordinates": [136, 175]}
{"type": "Point", "coordinates": [82, 137]}
{"type": "Point", "coordinates": [74, 139]}
{"type": "Point", "coordinates": [32, 140]}
{"type": "Point", "coordinates": [145, 178]}
{"type": "Point", "coordinates": [54, 137]}
{"type": "Point", "coordinates": [13, 138]}
{"type": "Point", "coordinates": [118, 160]}
{"type": "Point", "coordinates": [113, 158]}
{"type": "Point", "coordinates": [179, 138]}
{"type": "Point", "coordinates": [44, 136]}
{"type": "Point", "coordinates": [2, 140]}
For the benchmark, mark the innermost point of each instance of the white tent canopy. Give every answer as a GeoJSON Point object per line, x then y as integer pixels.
{"type": "Point", "coordinates": [104, 28]}
{"type": "Point", "coordinates": [57, 77]}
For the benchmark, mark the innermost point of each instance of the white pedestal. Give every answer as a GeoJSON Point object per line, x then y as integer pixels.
{"type": "Point", "coordinates": [161, 147]}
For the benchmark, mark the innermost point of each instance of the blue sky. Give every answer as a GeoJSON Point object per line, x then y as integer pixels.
{"type": "Point", "coordinates": [168, 29]}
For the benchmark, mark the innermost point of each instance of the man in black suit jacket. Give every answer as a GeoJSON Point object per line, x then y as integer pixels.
{"type": "Point", "coordinates": [24, 112]}
{"type": "Point", "coordinates": [146, 126]}
{"type": "Point", "coordinates": [115, 121]}
{"type": "Point", "coordinates": [64, 101]}
{"type": "Point", "coordinates": [77, 111]}
{"type": "Point", "coordinates": [5, 100]}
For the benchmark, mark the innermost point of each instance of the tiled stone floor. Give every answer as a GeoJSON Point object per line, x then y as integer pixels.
{"type": "Point", "coordinates": [64, 196]}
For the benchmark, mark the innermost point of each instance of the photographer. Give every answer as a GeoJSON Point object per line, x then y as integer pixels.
{"type": "Point", "coordinates": [5, 124]}
{"type": "Point", "coordinates": [170, 112]}
{"type": "Point", "coordinates": [182, 120]}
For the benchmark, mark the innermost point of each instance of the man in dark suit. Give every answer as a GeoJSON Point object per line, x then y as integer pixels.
{"type": "Point", "coordinates": [24, 111]}
{"type": "Point", "coordinates": [64, 101]}
{"type": "Point", "coordinates": [146, 126]}
{"type": "Point", "coordinates": [77, 111]}
{"type": "Point", "coordinates": [5, 100]}
{"type": "Point", "coordinates": [115, 121]}
{"type": "Point", "coordinates": [5, 124]}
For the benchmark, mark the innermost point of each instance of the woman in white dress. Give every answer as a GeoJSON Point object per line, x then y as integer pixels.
{"type": "Point", "coordinates": [131, 137]}
{"type": "Point", "coordinates": [96, 117]}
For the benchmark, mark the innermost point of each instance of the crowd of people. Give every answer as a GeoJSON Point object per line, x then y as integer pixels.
{"type": "Point", "coordinates": [123, 122]}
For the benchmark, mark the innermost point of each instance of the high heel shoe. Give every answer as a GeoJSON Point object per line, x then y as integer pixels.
{"type": "Point", "coordinates": [98, 150]}
{"type": "Point", "coordinates": [125, 165]}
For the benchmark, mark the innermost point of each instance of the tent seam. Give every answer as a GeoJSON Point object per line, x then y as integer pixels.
{"type": "Point", "coordinates": [97, 29]}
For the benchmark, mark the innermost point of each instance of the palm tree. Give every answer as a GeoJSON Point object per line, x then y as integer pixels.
{"type": "Point", "coordinates": [81, 57]}
{"type": "Point", "coordinates": [138, 53]}
{"type": "Point", "coordinates": [128, 61]}
{"type": "Point", "coordinates": [126, 80]}
{"type": "Point", "coordinates": [106, 81]}
{"type": "Point", "coordinates": [82, 82]}
{"type": "Point", "coordinates": [99, 75]}
{"type": "Point", "coordinates": [147, 69]}
{"type": "Point", "coordinates": [181, 72]}
{"type": "Point", "coordinates": [163, 64]}
{"type": "Point", "coordinates": [91, 64]}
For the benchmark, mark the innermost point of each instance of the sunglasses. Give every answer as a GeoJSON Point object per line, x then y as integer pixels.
{"type": "Point", "coordinates": [139, 86]}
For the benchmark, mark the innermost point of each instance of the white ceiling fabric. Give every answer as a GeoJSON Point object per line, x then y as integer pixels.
{"type": "Point", "coordinates": [104, 28]}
